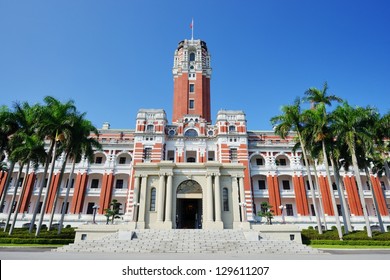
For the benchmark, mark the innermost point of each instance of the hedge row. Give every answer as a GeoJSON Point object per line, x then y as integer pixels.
{"type": "Point", "coordinates": [349, 242]}
{"type": "Point", "coordinates": [68, 233]}
{"type": "Point", "coordinates": [35, 241]}
{"type": "Point", "coordinates": [311, 234]}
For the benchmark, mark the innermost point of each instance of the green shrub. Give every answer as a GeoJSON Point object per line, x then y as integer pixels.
{"type": "Point", "coordinates": [350, 242]}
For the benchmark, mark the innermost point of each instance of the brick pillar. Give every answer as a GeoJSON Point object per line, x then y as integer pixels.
{"type": "Point", "coordinates": [28, 193]}
{"type": "Point", "coordinates": [52, 194]}
{"type": "Point", "coordinates": [326, 199]}
{"type": "Point", "coordinates": [106, 192]}
{"type": "Point", "coordinates": [376, 185]}
{"type": "Point", "coordinates": [274, 194]}
{"type": "Point", "coordinates": [353, 197]}
{"type": "Point", "coordinates": [79, 193]}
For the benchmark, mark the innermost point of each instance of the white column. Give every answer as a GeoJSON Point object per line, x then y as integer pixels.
{"type": "Point", "coordinates": [142, 200]}
{"type": "Point", "coordinates": [135, 197]}
{"type": "Point", "coordinates": [243, 203]}
{"type": "Point", "coordinates": [161, 197]}
{"type": "Point", "coordinates": [217, 190]}
{"type": "Point", "coordinates": [168, 205]}
{"type": "Point", "coordinates": [209, 193]}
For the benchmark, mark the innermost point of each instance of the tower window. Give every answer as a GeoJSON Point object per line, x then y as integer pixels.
{"type": "Point", "coordinates": [232, 128]}
{"type": "Point", "coordinates": [191, 133]}
{"type": "Point", "coordinates": [192, 87]}
{"type": "Point", "coordinates": [122, 160]}
{"type": "Point", "coordinates": [233, 155]}
{"type": "Point", "coordinates": [147, 154]}
{"type": "Point", "coordinates": [192, 104]}
{"type": "Point", "coordinates": [149, 128]}
{"type": "Point", "coordinates": [192, 56]}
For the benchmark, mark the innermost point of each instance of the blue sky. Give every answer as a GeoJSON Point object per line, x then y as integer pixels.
{"type": "Point", "coordinates": [114, 57]}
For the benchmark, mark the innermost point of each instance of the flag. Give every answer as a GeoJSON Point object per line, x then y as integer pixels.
{"type": "Point", "coordinates": [192, 24]}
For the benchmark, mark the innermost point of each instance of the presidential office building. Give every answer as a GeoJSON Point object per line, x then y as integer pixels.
{"type": "Point", "coordinates": [192, 172]}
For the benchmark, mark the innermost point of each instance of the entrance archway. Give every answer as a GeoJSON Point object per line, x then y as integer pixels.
{"type": "Point", "coordinates": [189, 205]}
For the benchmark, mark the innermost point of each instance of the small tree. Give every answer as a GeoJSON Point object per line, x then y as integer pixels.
{"type": "Point", "coordinates": [266, 212]}
{"type": "Point", "coordinates": [113, 211]}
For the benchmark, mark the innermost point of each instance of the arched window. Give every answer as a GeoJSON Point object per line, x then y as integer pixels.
{"type": "Point", "coordinates": [192, 56]}
{"type": "Point", "coordinates": [191, 133]}
{"type": "Point", "coordinates": [225, 198]}
{"type": "Point", "coordinates": [232, 128]}
{"type": "Point", "coordinates": [153, 199]}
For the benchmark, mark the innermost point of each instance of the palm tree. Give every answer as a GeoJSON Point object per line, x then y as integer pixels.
{"type": "Point", "coordinates": [55, 120]}
{"type": "Point", "coordinates": [31, 151]}
{"type": "Point", "coordinates": [81, 144]}
{"type": "Point", "coordinates": [319, 118]}
{"type": "Point", "coordinates": [8, 126]}
{"type": "Point", "coordinates": [351, 126]}
{"type": "Point", "coordinates": [78, 136]}
{"type": "Point", "coordinates": [291, 120]}
{"type": "Point", "coordinates": [22, 146]}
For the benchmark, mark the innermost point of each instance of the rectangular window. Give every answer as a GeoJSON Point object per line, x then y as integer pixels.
{"type": "Point", "coordinates": [259, 161]}
{"type": "Point", "coordinates": [153, 199]}
{"type": "Point", "coordinates": [192, 88]}
{"type": "Point", "coordinates": [66, 208]}
{"type": "Point", "coordinates": [122, 160]}
{"type": "Point", "coordinates": [67, 183]}
{"type": "Point", "coordinates": [192, 104]}
{"type": "Point", "coordinates": [286, 185]}
{"type": "Point", "coordinates": [308, 185]}
{"type": "Point", "coordinates": [98, 160]}
{"type": "Point", "coordinates": [94, 183]}
{"type": "Point", "coordinates": [210, 155]}
{"type": "Point", "coordinates": [147, 154]}
{"type": "Point", "coordinates": [282, 162]}
{"type": "Point", "coordinates": [233, 155]}
{"type": "Point", "coordinates": [171, 155]}
{"type": "Point", "coordinates": [262, 185]}
{"type": "Point", "coordinates": [225, 198]}
{"type": "Point", "coordinates": [334, 186]}
{"type": "Point", "coordinates": [90, 207]}
{"type": "Point", "coordinates": [289, 210]}
{"type": "Point", "coordinates": [313, 211]}
{"type": "Point", "coordinates": [339, 212]}
{"type": "Point", "coordinates": [119, 184]}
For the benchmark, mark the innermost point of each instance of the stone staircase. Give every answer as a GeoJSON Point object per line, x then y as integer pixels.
{"type": "Point", "coordinates": [188, 241]}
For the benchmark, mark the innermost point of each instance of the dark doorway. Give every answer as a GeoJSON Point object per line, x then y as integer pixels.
{"type": "Point", "coordinates": [189, 213]}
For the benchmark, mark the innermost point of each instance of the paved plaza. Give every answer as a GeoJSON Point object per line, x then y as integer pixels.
{"type": "Point", "coordinates": [28, 253]}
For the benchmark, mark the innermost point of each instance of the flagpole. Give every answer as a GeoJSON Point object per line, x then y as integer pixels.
{"type": "Point", "coordinates": [192, 30]}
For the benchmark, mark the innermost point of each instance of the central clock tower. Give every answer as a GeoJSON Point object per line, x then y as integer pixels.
{"type": "Point", "coordinates": [191, 78]}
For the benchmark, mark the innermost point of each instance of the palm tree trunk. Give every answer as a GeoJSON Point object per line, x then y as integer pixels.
{"type": "Point", "coordinates": [41, 189]}
{"type": "Point", "coordinates": [57, 192]}
{"type": "Point", "coordinates": [42, 214]}
{"type": "Point", "coordinates": [336, 212]}
{"type": "Point", "coordinates": [7, 183]}
{"type": "Point", "coordinates": [343, 201]}
{"type": "Point", "coordinates": [13, 197]}
{"type": "Point", "coordinates": [60, 225]}
{"type": "Point", "coordinates": [319, 194]}
{"type": "Point", "coordinates": [22, 191]}
{"type": "Point", "coordinates": [375, 201]}
{"type": "Point", "coordinates": [318, 219]}
{"type": "Point", "coordinates": [360, 189]}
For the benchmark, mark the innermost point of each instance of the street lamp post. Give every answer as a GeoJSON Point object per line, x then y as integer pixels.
{"type": "Point", "coordinates": [95, 208]}
{"type": "Point", "coordinates": [281, 207]}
